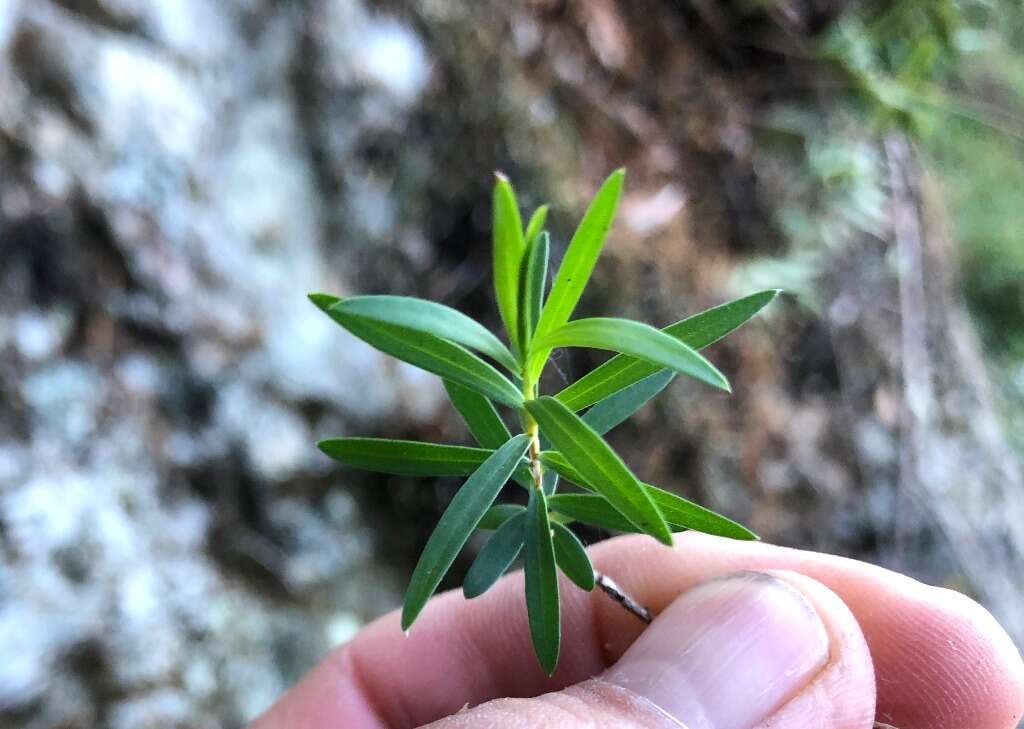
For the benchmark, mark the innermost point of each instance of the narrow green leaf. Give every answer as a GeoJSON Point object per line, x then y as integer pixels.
{"type": "Point", "coordinates": [542, 584]}
{"type": "Point", "coordinates": [549, 482]}
{"type": "Point", "coordinates": [602, 468]}
{"type": "Point", "coordinates": [496, 557]}
{"type": "Point", "coordinates": [459, 520]}
{"type": "Point", "coordinates": [591, 509]}
{"type": "Point", "coordinates": [509, 248]}
{"type": "Point", "coordinates": [680, 513]}
{"type": "Point", "coordinates": [430, 353]}
{"type": "Point", "coordinates": [404, 457]}
{"type": "Point", "coordinates": [581, 255]}
{"type": "Point", "coordinates": [684, 514]}
{"type": "Point", "coordinates": [697, 331]}
{"type": "Point", "coordinates": [429, 317]}
{"type": "Point", "coordinates": [533, 279]}
{"type": "Point", "coordinates": [488, 429]}
{"type": "Point", "coordinates": [572, 558]}
{"type": "Point", "coordinates": [480, 416]}
{"type": "Point", "coordinates": [637, 339]}
{"type": "Point", "coordinates": [619, 406]}
{"type": "Point", "coordinates": [499, 514]}
{"type": "Point", "coordinates": [536, 224]}
{"type": "Point", "coordinates": [558, 463]}
{"type": "Point", "coordinates": [323, 301]}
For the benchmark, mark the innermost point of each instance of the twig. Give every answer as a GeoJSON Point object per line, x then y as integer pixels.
{"type": "Point", "coordinates": [617, 594]}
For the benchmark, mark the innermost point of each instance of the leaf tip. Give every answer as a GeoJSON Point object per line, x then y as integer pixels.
{"type": "Point", "coordinates": [323, 301]}
{"type": "Point", "coordinates": [500, 176]}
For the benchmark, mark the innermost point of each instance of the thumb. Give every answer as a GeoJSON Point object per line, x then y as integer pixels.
{"type": "Point", "coordinates": [752, 650]}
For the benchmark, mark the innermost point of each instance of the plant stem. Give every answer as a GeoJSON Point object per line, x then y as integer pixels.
{"type": "Point", "coordinates": [620, 596]}
{"type": "Point", "coordinates": [533, 430]}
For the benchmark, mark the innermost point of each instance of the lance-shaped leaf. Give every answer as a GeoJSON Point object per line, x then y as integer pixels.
{"type": "Point", "coordinates": [534, 277]}
{"type": "Point", "coordinates": [581, 255]}
{"type": "Point", "coordinates": [571, 557]}
{"type": "Point", "coordinates": [489, 430]}
{"type": "Point", "coordinates": [536, 224]}
{"type": "Point", "coordinates": [509, 248]}
{"type": "Point", "coordinates": [684, 514]}
{"type": "Point", "coordinates": [550, 482]}
{"type": "Point", "coordinates": [499, 514]}
{"type": "Point", "coordinates": [542, 607]}
{"type": "Point", "coordinates": [480, 416]}
{"type": "Point", "coordinates": [429, 317]}
{"type": "Point", "coordinates": [599, 465]}
{"type": "Point", "coordinates": [430, 353]}
{"type": "Point", "coordinates": [680, 513]}
{"type": "Point", "coordinates": [496, 557]}
{"type": "Point", "coordinates": [591, 509]}
{"type": "Point", "coordinates": [405, 457]}
{"type": "Point", "coordinates": [636, 339]}
{"type": "Point", "coordinates": [465, 511]}
{"type": "Point", "coordinates": [619, 406]}
{"type": "Point", "coordinates": [697, 331]}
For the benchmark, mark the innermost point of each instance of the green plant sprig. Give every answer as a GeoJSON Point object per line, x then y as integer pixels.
{"type": "Point", "coordinates": [447, 343]}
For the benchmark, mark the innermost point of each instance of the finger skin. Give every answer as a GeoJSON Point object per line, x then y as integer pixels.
{"type": "Point", "coordinates": [840, 696]}
{"type": "Point", "coordinates": [941, 661]}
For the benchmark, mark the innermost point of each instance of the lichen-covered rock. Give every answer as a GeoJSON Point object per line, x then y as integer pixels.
{"type": "Point", "coordinates": [166, 519]}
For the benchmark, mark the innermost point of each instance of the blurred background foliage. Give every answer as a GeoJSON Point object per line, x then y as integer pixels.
{"type": "Point", "coordinates": [178, 174]}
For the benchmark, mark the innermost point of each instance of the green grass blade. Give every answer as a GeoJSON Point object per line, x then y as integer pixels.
{"type": "Point", "coordinates": [534, 277]}
{"type": "Point", "coordinates": [591, 509]}
{"type": "Point", "coordinates": [542, 584]}
{"type": "Point", "coordinates": [482, 419]}
{"type": "Point", "coordinates": [680, 513]}
{"type": "Point", "coordinates": [602, 468]}
{"type": "Point", "coordinates": [697, 331]}
{"type": "Point", "coordinates": [572, 558]}
{"type": "Point", "coordinates": [430, 353]}
{"type": "Point", "coordinates": [496, 557]}
{"type": "Point", "coordinates": [621, 405]}
{"type": "Point", "coordinates": [536, 224]}
{"type": "Point", "coordinates": [581, 255]}
{"type": "Point", "coordinates": [404, 457]}
{"type": "Point", "coordinates": [638, 340]}
{"type": "Point", "coordinates": [499, 514]}
{"type": "Point", "coordinates": [509, 248]}
{"type": "Point", "coordinates": [459, 520]}
{"type": "Point", "coordinates": [429, 317]}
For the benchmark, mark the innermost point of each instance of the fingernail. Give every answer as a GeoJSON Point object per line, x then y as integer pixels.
{"type": "Point", "coordinates": [728, 653]}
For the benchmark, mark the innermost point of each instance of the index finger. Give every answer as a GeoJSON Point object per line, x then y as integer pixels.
{"type": "Point", "coordinates": [940, 659]}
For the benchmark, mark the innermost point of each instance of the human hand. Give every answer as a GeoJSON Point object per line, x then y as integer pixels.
{"type": "Point", "coordinates": [748, 636]}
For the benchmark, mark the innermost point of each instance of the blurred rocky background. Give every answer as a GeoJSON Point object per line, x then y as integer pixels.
{"type": "Point", "coordinates": [175, 175]}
